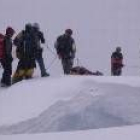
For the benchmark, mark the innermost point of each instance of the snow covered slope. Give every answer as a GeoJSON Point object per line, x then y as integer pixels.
{"type": "Point", "coordinates": [124, 133]}
{"type": "Point", "coordinates": [69, 103]}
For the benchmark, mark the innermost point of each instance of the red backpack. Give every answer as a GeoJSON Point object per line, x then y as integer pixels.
{"type": "Point", "coordinates": [2, 46]}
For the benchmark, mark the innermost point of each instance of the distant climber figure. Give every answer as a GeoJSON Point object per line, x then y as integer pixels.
{"type": "Point", "coordinates": [117, 62]}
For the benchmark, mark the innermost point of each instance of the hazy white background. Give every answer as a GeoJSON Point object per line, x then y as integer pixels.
{"type": "Point", "coordinates": [99, 26]}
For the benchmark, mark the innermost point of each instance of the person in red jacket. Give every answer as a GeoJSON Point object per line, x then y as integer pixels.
{"type": "Point", "coordinates": [7, 59]}
{"type": "Point", "coordinates": [117, 62]}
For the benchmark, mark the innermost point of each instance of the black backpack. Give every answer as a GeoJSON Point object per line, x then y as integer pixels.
{"type": "Point", "coordinates": [64, 45]}
{"type": "Point", "coordinates": [26, 49]}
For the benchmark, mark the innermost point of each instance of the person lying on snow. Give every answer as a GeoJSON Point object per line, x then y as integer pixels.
{"type": "Point", "coordinates": [79, 70]}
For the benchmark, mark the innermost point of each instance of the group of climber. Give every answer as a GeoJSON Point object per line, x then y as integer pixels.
{"type": "Point", "coordinates": [29, 51]}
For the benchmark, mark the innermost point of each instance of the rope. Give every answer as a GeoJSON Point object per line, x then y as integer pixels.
{"type": "Point", "coordinates": [50, 50]}
{"type": "Point", "coordinates": [52, 62]}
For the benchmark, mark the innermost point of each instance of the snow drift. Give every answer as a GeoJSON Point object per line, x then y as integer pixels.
{"type": "Point", "coordinates": [78, 103]}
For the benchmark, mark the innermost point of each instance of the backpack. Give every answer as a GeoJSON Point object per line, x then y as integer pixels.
{"type": "Point", "coordinates": [25, 45]}
{"type": "Point", "coordinates": [64, 46]}
{"type": "Point", "coordinates": [2, 50]}
{"type": "Point", "coordinates": [18, 39]}
{"type": "Point", "coordinates": [79, 70]}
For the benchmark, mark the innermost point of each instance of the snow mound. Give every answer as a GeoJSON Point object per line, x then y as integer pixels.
{"type": "Point", "coordinates": [94, 105]}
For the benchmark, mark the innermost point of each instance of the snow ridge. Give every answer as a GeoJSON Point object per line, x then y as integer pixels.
{"type": "Point", "coordinates": [95, 105]}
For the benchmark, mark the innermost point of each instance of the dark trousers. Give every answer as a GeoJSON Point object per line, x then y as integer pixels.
{"type": "Point", "coordinates": [7, 72]}
{"type": "Point", "coordinates": [40, 61]}
{"type": "Point", "coordinates": [67, 65]}
{"type": "Point", "coordinates": [116, 71]}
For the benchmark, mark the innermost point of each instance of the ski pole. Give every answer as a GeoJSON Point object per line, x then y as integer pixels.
{"type": "Point", "coordinates": [52, 62]}
{"type": "Point", "coordinates": [50, 50]}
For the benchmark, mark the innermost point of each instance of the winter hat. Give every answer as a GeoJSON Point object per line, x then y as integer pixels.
{"type": "Point", "coordinates": [28, 26]}
{"type": "Point", "coordinates": [69, 31]}
{"type": "Point", "coordinates": [10, 31]}
{"type": "Point", "coordinates": [118, 49]}
{"type": "Point", "coordinates": [36, 25]}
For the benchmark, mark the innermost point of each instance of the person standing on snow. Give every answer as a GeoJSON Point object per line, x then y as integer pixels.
{"type": "Point", "coordinates": [39, 38]}
{"type": "Point", "coordinates": [116, 62]}
{"type": "Point", "coordinates": [66, 48]}
{"type": "Point", "coordinates": [7, 59]}
{"type": "Point", "coordinates": [25, 51]}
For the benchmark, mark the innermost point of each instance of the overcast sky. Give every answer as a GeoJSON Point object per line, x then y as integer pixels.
{"type": "Point", "coordinates": [99, 25]}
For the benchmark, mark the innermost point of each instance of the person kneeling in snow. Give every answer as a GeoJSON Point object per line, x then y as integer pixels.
{"type": "Point", "coordinates": [79, 70]}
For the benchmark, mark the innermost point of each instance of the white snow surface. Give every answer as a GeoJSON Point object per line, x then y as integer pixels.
{"type": "Point", "coordinates": [81, 103]}
{"type": "Point", "coordinates": [69, 103]}
{"type": "Point", "coordinates": [124, 133]}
